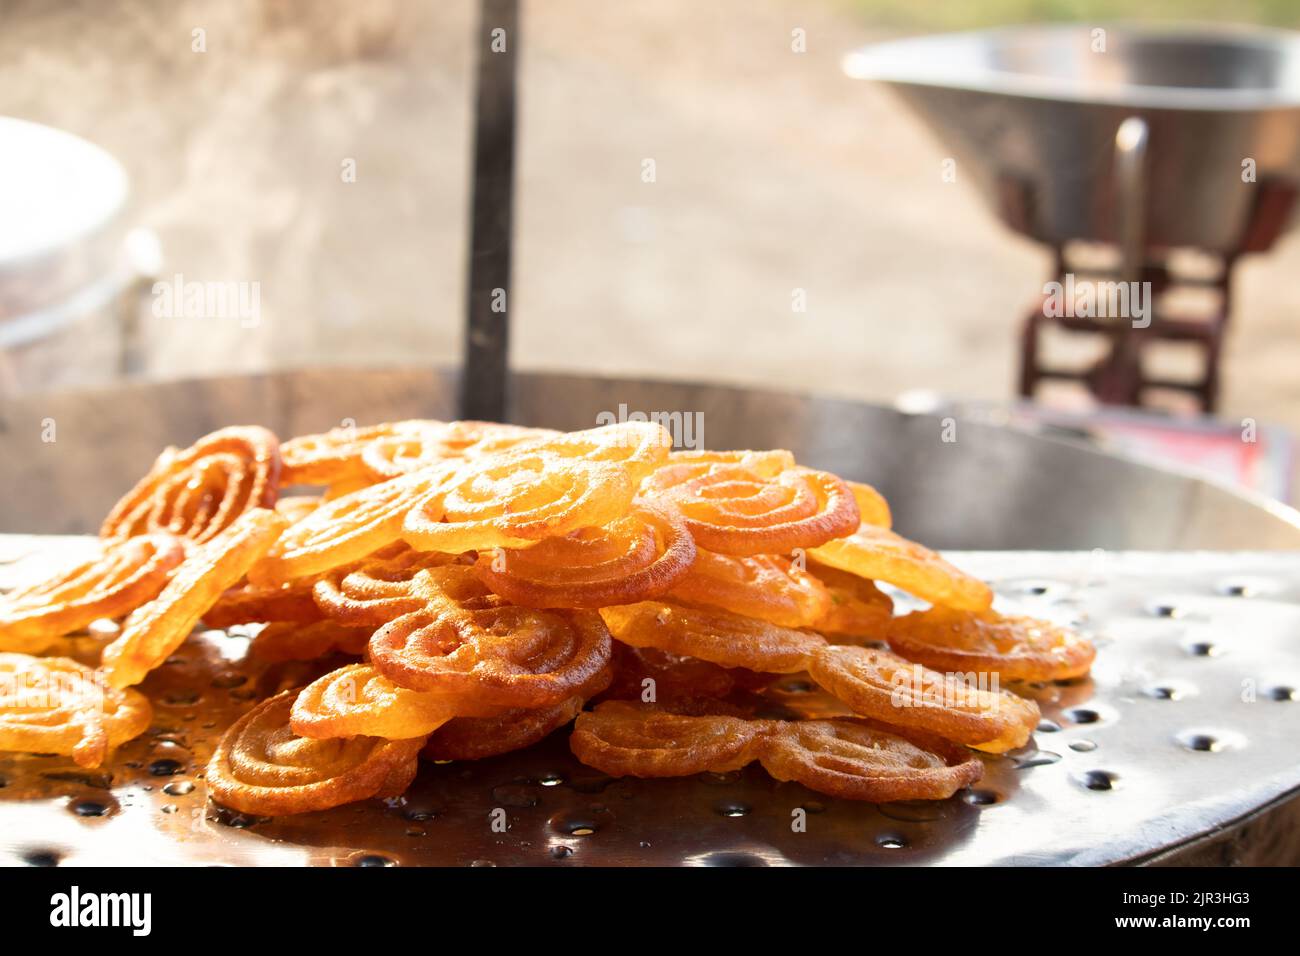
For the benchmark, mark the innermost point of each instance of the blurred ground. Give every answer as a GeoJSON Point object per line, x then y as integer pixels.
{"type": "Point", "coordinates": [773, 173]}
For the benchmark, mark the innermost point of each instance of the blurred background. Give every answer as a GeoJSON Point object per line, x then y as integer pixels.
{"type": "Point", "coordinates": [797, 232]}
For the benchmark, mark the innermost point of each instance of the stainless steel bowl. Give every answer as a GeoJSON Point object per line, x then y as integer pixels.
{"type": "Point", "coordinates": [1033, 112]}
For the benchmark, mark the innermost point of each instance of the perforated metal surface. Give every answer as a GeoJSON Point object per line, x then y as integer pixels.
{"type": "Point", "coordinates": [1188, 723]}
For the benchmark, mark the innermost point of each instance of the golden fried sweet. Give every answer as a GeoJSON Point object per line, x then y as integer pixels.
{"type": "Point", "coordinates": [625, 739]}
{"type": "Point", "coordinates": [126, 573]}
{"type": "Point", "coordinates": [857, 761]}
{"type": "Point", "coordinates": [872, 506]}
{"type": "Point", "coordinates": [649, 674]}
{"type": "Point", "coordinates": [358, 700]}
{"type": "Point", "coordinates": [476, 738]}
{"type": "Point", "coordinates": [896, 691]}
{"type": "Point", "coordinates": [345, 529]}
{"type": "Point", "coordinates": [290, 641]}
{"type": "Point", "coordinates": [848, 759]}
{"type": "Point", "coordinates": [734, 509]}
{"type": "Point", "coordinates": [516, 498]}
{"type": "Point", "coordinates": [766, 586]}
{"type": "Point", "coordinates": [857, 611]}
{"type": "Point", "coordinates": [879, 554]}
{"type": "Point", "coordinates": [262, 767]}
{"type": "Point", "coordinates": [249, 604]}
{"type": "Point", "coordinates": [54, 705]}
{"type": "Point", "coordinates": [1015, 648]}
{"type": "Point", "coordinates": [335, 456]}
{"type": "Point", "coordinates": [155, 630]}
{"type": "Point", "coordinates": [402, 453]}
{"type": "Point", "coordinates": [634, 557]}
{"type": "Point", "coordinates": [713, 635]}
{"type": "Point", "coordinates": [377, 589]}
{"type": "Point", "coordinates": [639, 447]}
{"type": "Point", "coordinates": [200, 491]}
{"type": "Point", "coordinates": [471, 644]}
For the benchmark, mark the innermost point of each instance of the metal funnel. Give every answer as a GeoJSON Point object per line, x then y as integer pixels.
{"type": "Point", "coordinates": [1031, 115]}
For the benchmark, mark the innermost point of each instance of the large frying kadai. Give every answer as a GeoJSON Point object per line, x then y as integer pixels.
{"type": "Point", "coordinates": [1179, 748]}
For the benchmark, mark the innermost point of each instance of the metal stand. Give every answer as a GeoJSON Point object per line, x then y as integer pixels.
{"type": "Point", "coordinates": [484, 373]}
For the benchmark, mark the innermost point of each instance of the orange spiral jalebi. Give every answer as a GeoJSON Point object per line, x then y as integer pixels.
{"type": "Point", "coordinates": [155, 630]}
{"type": "Point", "coordinates": [886, 687]}
{"type": "Point", "coordinates": [846, 759]}
{"type": "Point", "coordinates": [635, 557]}
{"type": "Point", "coordinates": [733, 509]}
{"type": "Point", "coordinates": [857, 610]}
{"type": "Point", "coordinates": [469, 643]}
{"type": "Point", "coordinates": [476, 738]}
{"type": "Point", "coordinates": [290, 641]}
{"type": "Point", "coordinates": [1015, 648]}
{"type": "Point", "coordinates": [335, 456]}
{"type": "Point", "coordinates": [262, 767]}
{"type": "Point", "coordinates": [125, 574]}
{"type": "Point", "coordinates": [879, 554]}
{"type": "Point", "coordinates": [345, 529]}
{"type": "Point", "coordinates": [200, 491]}
{"type": "Point", "coordinates": [769, 587]}
{"type": "Point", "coordinates": [54, 705]}
{"type": "Point", "coordinates": [357, 699]}
{"type": "Point", "coordinates": [377, 589]}
{"type": "Point", "coordinates": [514, 499]}
{"type": "Point", "coordinates": [712, 635]}
{"type": "Point", "coordinates": [399, 454]}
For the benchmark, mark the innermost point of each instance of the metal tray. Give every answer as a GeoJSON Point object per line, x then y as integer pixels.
{"type": "Point", "coordinates": [1181, 747]}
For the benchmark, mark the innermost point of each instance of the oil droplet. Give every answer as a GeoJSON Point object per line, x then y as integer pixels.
{"type": "Point", "coordinates": [890, 841]}
{"type": "Point", "coordinates": [551, 779]}
{"type": "Point", "coordinates": [374, 859]}
{"type": "Point", "coordinates": [227, 679]}
{"type": "Point", "coordinates": [178, 788]}
{"type": "Point", "coordinates": [981, 798]}
{"type": "Point", "coordinates": [732, 809]}
{"type": "Point", "coordinates": [165, 767]}
{"type": "Point", "coordinates": [182, 698]}
{"type": "Point", "coordinates": [1046, 726]}
{"type": "Point", "coordinates": [1203, 649]}
{"type": "Point", "coordinates": [1083, 746]}
{"type": "Point", "coordinates": [560, 851]}
{"type": "Point", "coordinates": [1082, 715]}
{"type": "Point", "coordinates": [1277, 693]}
{"type": "Point", "coordinates": [482, 863]}
{"type": "Point", "coordinates": [41, 858]}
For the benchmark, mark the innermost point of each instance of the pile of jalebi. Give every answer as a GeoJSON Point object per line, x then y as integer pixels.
{"type": "Point", "coordinates": [492, 584]}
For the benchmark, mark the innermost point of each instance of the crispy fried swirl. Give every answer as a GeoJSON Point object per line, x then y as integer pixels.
{"type": "Point", "coordinates": [635, 557]}
{"type": "Point", "coordinates": [262, 767]}
{"type": "Point", "coordinates": [54, 705]}
{"type": "Point", "coordinates": [124, 575]}
{"type": "Point", "coordinates": [199, 492]}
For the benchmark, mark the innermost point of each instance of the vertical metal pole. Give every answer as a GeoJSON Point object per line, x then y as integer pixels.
{"type": "Point", "coordinates": [484, 373]}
